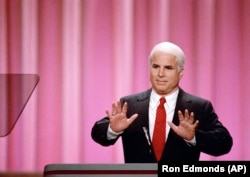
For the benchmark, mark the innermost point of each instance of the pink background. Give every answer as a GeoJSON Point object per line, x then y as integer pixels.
{"type": "Point", "coordinates": [89, 53]}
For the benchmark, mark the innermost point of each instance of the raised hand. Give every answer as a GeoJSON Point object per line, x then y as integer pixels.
{"type": "Point", "coordinates": [187, 125]}
{"type": "Point", "coordinates": [118, 119]}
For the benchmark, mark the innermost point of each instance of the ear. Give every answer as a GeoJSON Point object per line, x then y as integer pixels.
{"type": "Point", "coordinates": [181, 74]}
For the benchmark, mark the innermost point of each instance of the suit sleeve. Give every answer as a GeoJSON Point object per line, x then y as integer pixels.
{"type": "Point", "coordinates": [99, 132]}
{"type": "Point", "coordinates": [212, 136]}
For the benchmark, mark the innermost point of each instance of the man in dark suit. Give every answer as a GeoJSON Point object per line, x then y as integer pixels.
{"type": "Point", "coordinates": [192, 125]}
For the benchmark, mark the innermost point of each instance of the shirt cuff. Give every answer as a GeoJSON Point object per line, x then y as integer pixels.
{"type": "Point", "coordinates": [111, 134]}
{"type": "Point", "coordinates": [191, 142]}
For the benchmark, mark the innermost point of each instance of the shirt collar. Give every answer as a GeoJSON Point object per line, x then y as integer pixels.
{"type": "Point", "coordinates": [170, 99]}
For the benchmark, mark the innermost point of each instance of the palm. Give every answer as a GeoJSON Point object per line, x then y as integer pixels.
{"type": "Point", "coordinates": [186, 127]}
{"type": "Point", "coordinates": [118, 119]}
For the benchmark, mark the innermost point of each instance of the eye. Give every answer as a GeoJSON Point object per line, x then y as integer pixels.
{"type": "Point", "coordinates": [169, 67]}
{"type": "Point", "coordinates": [155, 66]}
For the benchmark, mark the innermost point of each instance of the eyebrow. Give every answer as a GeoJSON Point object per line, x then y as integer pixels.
{"type": "Point", "coordinates": [165, 66]}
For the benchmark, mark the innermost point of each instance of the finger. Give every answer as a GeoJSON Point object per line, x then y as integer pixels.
{"type": "Point", "coordinates": [193, 127]}
{"type": "Point", "coordinates": [191, 118]}
{"type": "Point", "coordinates": [196, 123]}
{"type": "Point", "coordinates": [118, 107]}
{"type": "Point", "coordinates": [113, 108]}
{"type": "Point", "coordinates": [124, 108]}
{"type": "Point", "coordinates": [186, 114]}
{"type": "Point", "coordinates": [180, 115]}
{"type": "Point", "coordinates": [107, 113]}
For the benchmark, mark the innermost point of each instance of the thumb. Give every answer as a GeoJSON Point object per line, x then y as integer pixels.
{"type": "Point", "coordinates": [172, 125]}
{"type": "Point", "coordinates": [132, 118]}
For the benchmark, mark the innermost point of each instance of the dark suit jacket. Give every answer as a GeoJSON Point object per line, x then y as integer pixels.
{"type": "Point", "coordinates": [211, 136]}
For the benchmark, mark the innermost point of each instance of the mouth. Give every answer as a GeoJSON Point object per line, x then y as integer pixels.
{"type": "Point", "coordinates": [161, 82]}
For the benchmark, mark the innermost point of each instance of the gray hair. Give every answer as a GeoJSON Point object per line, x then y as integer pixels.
{"type": "Point", "coordinates": [172, 49]}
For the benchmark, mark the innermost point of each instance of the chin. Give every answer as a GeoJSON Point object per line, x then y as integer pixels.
{"type": "Point", "coordinates": [161, 92]}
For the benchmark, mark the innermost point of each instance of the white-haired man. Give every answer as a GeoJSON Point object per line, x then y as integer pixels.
{"type": "Point", "coordinates": [190, 125]}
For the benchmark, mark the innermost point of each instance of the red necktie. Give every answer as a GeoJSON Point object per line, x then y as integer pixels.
{"type": "Point", "coordinates": [159, 130]}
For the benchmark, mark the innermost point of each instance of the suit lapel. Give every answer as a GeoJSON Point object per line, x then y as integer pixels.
{"type": "Point", "coordinates": [142, 105]}
{"type": "Point", "coordinates": [183, 102]}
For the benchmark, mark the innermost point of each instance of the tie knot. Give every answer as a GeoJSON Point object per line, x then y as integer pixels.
{"type": "Point", "coordinates": [162, 100]}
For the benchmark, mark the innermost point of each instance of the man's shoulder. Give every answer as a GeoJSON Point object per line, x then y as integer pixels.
{"type": "Point", "coordinates": [192, 97]}
{"type": "Point", "coordinates": [139, 95]}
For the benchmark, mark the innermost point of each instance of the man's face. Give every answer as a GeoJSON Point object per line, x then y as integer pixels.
{"type": "Point", "coordinates": [164, 73]}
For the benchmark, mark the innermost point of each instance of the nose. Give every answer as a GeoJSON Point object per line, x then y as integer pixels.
{"type": "Point", "coordinates": [161, 72]}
